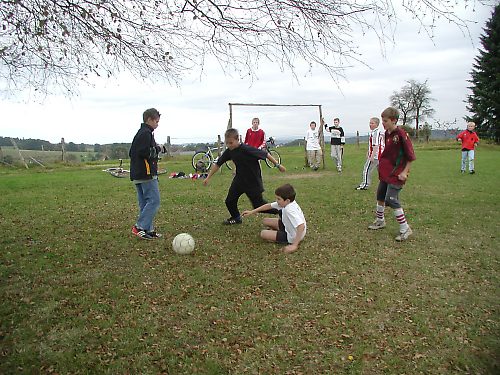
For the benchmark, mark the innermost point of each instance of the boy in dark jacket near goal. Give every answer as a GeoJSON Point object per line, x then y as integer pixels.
{"type": "Point", "coordinates": [144, 174]}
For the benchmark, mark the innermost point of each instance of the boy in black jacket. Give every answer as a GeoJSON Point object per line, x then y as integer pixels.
{"type": "Point", "coordinates": [144, 174]}
{"type": "Point", "coordinates": [248, 178]}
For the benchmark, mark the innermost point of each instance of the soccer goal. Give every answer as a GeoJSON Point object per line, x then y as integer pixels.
{"type": "Point", "coordinates": [319, 123]}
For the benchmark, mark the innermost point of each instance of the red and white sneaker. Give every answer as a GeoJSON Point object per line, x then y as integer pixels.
{"type": "Point", "coordinates": [141, 233]}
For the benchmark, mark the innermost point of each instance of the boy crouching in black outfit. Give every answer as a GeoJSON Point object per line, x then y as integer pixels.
{"type": "Point", "coordinates": [248, 178]}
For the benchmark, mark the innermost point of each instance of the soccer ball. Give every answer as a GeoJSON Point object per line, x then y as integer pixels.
{"type": "Point", "coordinates": [183, 243]}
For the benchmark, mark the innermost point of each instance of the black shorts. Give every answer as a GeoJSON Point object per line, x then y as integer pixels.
{"type": "Point", "coordinates": [389, 194]}
{"type": "Point", "coordinates": [281, 236]}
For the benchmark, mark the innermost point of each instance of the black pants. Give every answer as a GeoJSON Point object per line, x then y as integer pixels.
{"type": "Point", "coordinates": [255, 196]}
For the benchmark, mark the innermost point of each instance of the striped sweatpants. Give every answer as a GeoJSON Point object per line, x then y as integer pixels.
{"type": "Point", "coordinates": [366, 176]}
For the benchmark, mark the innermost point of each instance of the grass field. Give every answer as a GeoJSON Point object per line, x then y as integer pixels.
{"type": "Point", "coordinates": [81, 295]}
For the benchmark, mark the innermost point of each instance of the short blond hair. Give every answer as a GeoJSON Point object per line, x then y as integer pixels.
{"type": "Point", "coordinates": [376, 119]}
{"type": "Point", "coordinates": [390, 112]}
{"type": "Point", "coordinates": [232, 133]}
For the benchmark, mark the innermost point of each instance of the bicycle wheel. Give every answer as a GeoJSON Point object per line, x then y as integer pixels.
{"type": "Point", "coordinates": [229, 164]}
{"type": "Point", "coordinates": [275, 154]}
{"type": "Point", "coordinates": [120, 174]}
{"type": "Point", "coordinates": [201, 162]}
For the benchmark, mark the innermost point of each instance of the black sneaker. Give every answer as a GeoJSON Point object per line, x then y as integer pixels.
{"type": "Point", "coordinates": [232, 221]}
{"type": "Point", "coordinates": [155, 234]}
{"type": "Point", "coordinates": [472, 172]}
{"type": "Point", "coordinates": [141, 233]}
{"type": "Point", "coordinates": [361, 188]}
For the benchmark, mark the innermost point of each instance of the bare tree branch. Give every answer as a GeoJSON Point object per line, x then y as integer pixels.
{"type": "Point", "coordinates": [54, 45]}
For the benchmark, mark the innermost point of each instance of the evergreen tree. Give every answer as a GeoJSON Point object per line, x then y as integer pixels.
{"type": "Point", "coordinates": [484, 103]}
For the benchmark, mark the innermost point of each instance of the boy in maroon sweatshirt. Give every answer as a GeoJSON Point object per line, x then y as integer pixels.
{"type": "Point", "coordinates": [393, 169]}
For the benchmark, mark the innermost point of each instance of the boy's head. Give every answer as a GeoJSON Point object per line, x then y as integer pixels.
{"type": "Point", "coordinates": [471, 126]}
{"type": "Point", "coordinates": [232, 138]}
{"type": "Point", "coordinates": [374, 123]}
{"type": "Point", "coordinates": [285, 194]}
{"type": "Point", "coordinates": [255, 123]}
{"type": "Point", "coordinates": [390, 117]}
{"type": "Point", "coordinates": [151, 117]}
{"type": "Point", "coordinates": [336, 122]}
{"type": "Point", "coordinates": [312, 125]}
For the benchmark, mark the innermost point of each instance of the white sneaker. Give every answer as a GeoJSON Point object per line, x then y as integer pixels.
{"type": "Point", "coordinates": [377, 224]}
{"type": "Point", "coordinates": [404, 236]}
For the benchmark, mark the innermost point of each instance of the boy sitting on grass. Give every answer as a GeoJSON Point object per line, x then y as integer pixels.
{"type": "Point", "coordinates": [291, 227]}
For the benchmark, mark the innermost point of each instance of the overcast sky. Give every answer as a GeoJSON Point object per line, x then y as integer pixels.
{"type": "Point", "coordinates": [198, 110]}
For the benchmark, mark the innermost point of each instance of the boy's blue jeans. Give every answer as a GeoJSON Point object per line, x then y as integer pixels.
{"type": "Point", "coordinates": [148, 196]}
{"type": "Point", "coordinates": [468, 154]}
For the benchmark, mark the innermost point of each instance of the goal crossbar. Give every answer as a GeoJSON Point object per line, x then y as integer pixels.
{"type": "Point", "coordinates": [320, 130]}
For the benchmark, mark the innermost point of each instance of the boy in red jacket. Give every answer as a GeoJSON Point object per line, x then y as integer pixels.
{"type": "Point", "coordinates": [469, 141]}
{"type": "Point", "coordinates": [255, 137]}
{"type": "Point", "coordinates": [393, 169]}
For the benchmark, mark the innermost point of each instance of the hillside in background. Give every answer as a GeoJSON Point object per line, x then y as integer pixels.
{"type": "Point", "coordinates": [120, 150]}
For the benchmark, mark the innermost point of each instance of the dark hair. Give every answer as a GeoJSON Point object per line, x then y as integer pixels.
{"type": "Point", "coordinates": [336, 119]}
{"type": "Point", "coordinates": [312, 122]}
{"type": "Point", "coordinates": [286, 192]}
{"type": "Point", "coordinates": [150, 113]}
{"type": "Point", "coordinates": [232, 133]}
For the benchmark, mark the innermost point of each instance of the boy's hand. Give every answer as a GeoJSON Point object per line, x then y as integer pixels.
{"type": "Point", "coordinates": [205, 181]}
{"type": "Point", "coordinates": [403, 176]}
{"type": "Point", "coordinates": [290, 248]}
{"type": "Point", "coordinates": [246, 213]}
{"type": "Point", "coordinates": [282, 168]}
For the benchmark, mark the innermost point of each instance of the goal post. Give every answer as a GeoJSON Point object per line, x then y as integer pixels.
{"type": "Point", "coordinates": [320, 122]}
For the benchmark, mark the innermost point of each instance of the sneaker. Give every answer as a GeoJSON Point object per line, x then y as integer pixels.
{"type": "Point", "coordinates": [361, 188]}
{"type": "Point", "coordinates": [232, 221]}
{"type": "Point", "coordinates": [472, 172]}
{"type": "Point", "coordinates": [377, 224]}
{"type": "Point", "coordinates": [155, 234]}
{"type": "Point", "coordinates": [141, 233]}
{"type": "Point", "coordinates": [404, 236]}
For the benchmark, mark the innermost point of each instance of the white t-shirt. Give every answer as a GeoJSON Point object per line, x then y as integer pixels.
{"type": "Point", "coordinates": [312, 139]}
{"type": "Point", "coordinates": [292, 217]}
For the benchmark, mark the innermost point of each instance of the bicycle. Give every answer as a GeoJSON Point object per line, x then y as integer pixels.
{"type": "Point", "coordinates": [119, 171]}
{"type": "Point", "coordinates": [203, 160]}
{"type": "Point", "coordinates": [275, 154]}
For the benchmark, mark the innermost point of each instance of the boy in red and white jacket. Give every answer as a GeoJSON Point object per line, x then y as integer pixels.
{"type": "Point", "coordinates": [376, 145]}
{"type": "Point", "coordinates": [469, 141]}
{"type": "Point", "coordinates": [255, 137]}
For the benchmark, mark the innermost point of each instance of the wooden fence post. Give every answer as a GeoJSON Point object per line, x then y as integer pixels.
{"type": "Point", "coordinates": [169, 147]}
{"type": "Point", "coordinates": [357, 137]}
{"type": "Point", "coordinates": [63, 151]}
{"type": "Point", "coordinates": [321, 136]}
{"type": "Point", "coordinates": [306, 162]}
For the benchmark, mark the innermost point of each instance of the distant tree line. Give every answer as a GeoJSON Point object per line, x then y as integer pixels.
{"type": "Point", "coordinates": [105, 151]}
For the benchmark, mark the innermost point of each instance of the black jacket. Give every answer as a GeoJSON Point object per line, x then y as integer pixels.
{"type": "Point", "coordinates": [144, 155]}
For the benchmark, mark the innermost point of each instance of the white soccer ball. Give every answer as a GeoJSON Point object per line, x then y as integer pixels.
{"type": "Point", "coordinates": [183, 243]}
